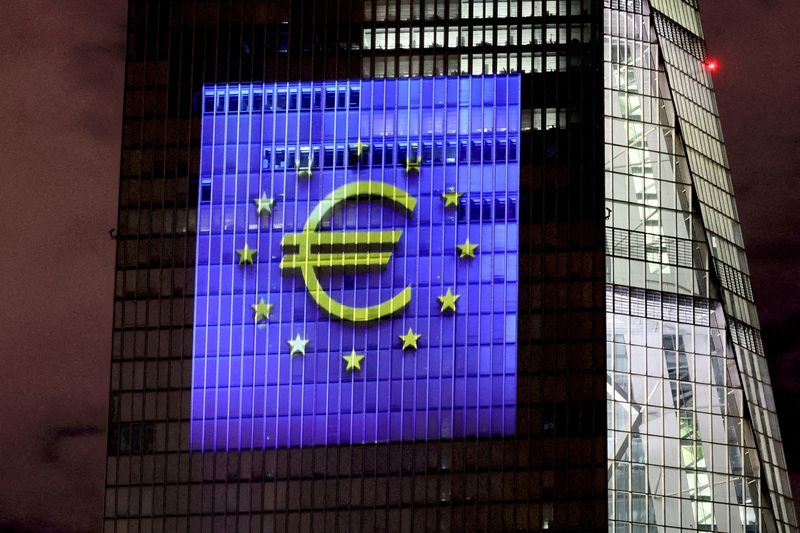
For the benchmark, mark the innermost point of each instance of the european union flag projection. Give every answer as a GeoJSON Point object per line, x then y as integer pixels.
{"type": "Point", "coordinates": [357, 262]}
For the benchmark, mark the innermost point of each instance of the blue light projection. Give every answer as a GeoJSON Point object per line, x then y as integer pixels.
{"type": "Point", "coordinates": [357, 262]}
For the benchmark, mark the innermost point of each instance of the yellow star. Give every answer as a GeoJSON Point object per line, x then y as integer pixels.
{"type": "Point", "coordinates": [353, 361]}
{"type": "Point", "coordinates": [467, 249]}
{"type": "Point", "coordinates": [298, 345]}
{"type": "Point", "coordinates": [410, 339]}
{"type": "Point", "coordinates": [448, 301]}
{"type": "Point", "coordinates": [360, 147]}
{"type": "Point", "coordinates": [451, 198]}
{"type": "Point", "coordinates": [264, 204]}
{"type": "Point", "coordinates": [262, 309]}
{"type": "Point", "coordinates": [412, 165]}
{"type": "Point", "coordinates": [246, 255]}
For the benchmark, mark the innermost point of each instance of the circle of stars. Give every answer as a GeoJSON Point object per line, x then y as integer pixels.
{"type": "Point", "coordinates": [409, 341]}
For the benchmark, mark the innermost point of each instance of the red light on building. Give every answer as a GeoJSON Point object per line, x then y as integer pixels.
{"type": "Point", "coordinates": [712, 65]}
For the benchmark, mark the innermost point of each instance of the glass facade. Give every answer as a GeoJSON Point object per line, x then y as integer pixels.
{"type": "Point", "coordinates": [601, 367]}
{"type": "Point", "coordinates": [303, 173]}
{"type": "Point", "coordinates": [693, 438]}
{"type": "Point", "coordinates": [529, 451]}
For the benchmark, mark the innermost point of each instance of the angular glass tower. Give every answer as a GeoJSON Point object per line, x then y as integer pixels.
{"type": "Point", "coordinates": [693, 439]}
{"type": "Point", "coordinates": [441, 265]}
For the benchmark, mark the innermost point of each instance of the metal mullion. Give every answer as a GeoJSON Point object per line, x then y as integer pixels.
{"type": "Point", "coordinates": [165, 231]}
{"type": "Point", "coordinates": [212, 456]}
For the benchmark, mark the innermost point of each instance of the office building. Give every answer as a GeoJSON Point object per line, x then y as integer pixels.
{"type": "Point", "coordinates": [440, 265]}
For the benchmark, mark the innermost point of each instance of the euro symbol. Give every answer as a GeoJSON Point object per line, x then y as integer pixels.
{"type": "Point", "coordinates": [346, 250]}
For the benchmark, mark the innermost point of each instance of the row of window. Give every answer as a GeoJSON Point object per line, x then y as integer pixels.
{"type": "Point", "coordinates": [656, 248]}
{"type": "Point", "coordinates": [245, 100]}
{"type": "Point", "coordinates": [453, 37]}
{"type": "Point", "coordinates": [281, 99]}
{"type": "Point", "coordinates": [477, 9]}
{"type": "Point", "coordinates": [465, 64]}
{"type": "Point", "coordinates": [438, 152]}
{"type": "Point", "coordinates": [659, 305]}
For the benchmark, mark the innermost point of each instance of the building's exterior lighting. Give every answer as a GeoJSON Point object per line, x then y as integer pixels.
{"type": "Point", "coordinates": [363, 281]}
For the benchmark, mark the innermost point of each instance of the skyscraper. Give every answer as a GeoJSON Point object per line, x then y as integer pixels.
{"type": "Point", "coordinates": [432, 265]}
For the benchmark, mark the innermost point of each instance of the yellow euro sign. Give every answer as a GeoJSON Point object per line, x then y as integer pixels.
{"type": "Point", "coordinates": [356, 250]}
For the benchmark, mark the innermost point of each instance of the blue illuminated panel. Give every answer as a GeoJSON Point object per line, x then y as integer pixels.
{"type": "Point", "coordinates": [329, 165]}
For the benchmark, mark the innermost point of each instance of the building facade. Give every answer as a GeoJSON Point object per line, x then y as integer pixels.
{"type": "Point", "coordinates": [437, 265]}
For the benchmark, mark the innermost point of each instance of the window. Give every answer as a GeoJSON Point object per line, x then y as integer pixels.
{"type": "Point", "coordinates": [452, 38]}
{"type": "Point", "coordinates": [402, 153]}
{"type": "Point", "coordinates": [433, 37]}
{"type": "Point", "coordinates": [404, 38]}
{"type": "Point", "coordinates": [502, 8]}
{"type": "Point", "coordinates": [551, 63]}
{"type": "Point", "coordinates": [528, 8]}
{"type": "Point", "coordinates": [438, 152]}
{"type": "Point", "coordinates": [434, 10]}
{"type": "Point", "coordinates": [405, 10]}
{"type": "Point", "coordinates": [488, 35]}
{"type": "Point", "coordinates": [452, 152]}
{"type": "Point", "coordinates": [488, 148]}
{"type": "Point", "coordinates": [280, 159]}
{"type": "Point", "coordinates": [380, 39]}
{"type": "Point", "coordinates": [384, 11]}
{"type": "Point", "coordinates": [475, 155]}
{"type": "Point", "coordinates": [580, 7]}
{"type": "Point", "coordinates": [500, 151]}
{"type": "Point", "coordinates": [537, 119]}
{"type": "Point", "coordinates": [463, 152]}
{"type": "Point", "coordinates": [330, 98]}
{"type": "Point", "coordinates": [304, 158]}
{"type": "Point", "coordinates": [502, 36]}
{"type": "Point", "coordinates": [465, 9]}
{"type": "Point", "coordinates": [526, 36]}
{"type": "Point", "coordinates": [205, 190]}
{"type": "Point", "coordinates": [355, 97]}
{"type": "Point", "coordinates": [377, 154]}
{"type": "Point", "coordinates": [305, 100]}
{"type": "Point", "coordinates": [526, 62]}
{"type": "Point", "coordinates": [328, 157]}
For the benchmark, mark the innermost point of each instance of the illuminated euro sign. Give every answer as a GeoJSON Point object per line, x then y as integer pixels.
{"type": "Point", "coordinates": [353, 250]}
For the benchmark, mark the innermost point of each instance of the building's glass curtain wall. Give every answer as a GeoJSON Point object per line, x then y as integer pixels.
{"type": "Point", "coordinates": [695, 106]}
{"type": "Point", "coordinates": [365, 204]}
{"type": "Point", "coordinates": [682, 449]}
{"type": "Point", "coordinates": [641, 398]}
{"type": "Point", "coordinates": [546, 473]}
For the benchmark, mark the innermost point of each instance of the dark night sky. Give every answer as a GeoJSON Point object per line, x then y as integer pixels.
{"type": "Point", "coordinates": [61, 65]}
